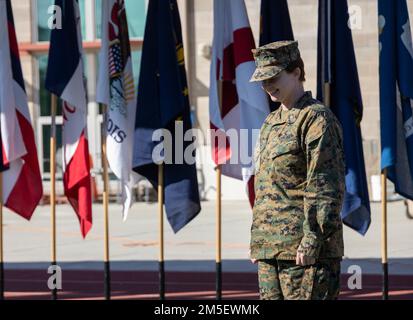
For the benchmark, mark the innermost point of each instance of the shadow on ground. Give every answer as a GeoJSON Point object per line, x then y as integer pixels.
{"type": "Point", "coordinates": [185, 280]}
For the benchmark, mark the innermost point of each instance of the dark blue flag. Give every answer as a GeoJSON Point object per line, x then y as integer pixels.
{"type": "Point", "coordinates": [275, 26]}
{"type": "Point", "coordinates": [64, 54]}
{"type": "Point", "coordinates": [163, 102]}
{"type": "Point", "coordinates": [337, 66]}
{"type": "Point", "coordinates": [396, 92]}
{"type": "Point", "coordinates": [275, 22]}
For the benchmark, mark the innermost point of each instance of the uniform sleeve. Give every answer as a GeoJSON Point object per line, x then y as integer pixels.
{"type": "Point", "coordinates": [324, 190]}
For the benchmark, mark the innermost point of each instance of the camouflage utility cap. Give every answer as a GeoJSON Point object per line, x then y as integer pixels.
{"type": "Point", "coordinates": [273, 58]}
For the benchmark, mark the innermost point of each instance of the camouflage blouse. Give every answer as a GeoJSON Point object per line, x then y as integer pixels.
{"type": "Point", "coordinates": [299, 184]}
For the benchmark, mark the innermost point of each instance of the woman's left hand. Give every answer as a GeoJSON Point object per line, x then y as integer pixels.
{"type": "Point", "coordinates": [254, 261]}
{"type": "Point", "coordinates": [302, 260]}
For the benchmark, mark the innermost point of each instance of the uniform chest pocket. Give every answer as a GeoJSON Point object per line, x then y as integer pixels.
{"type": "Point", "coordinates": [288, 165]}
{"type": "Point", "coordinates": [284, 149]}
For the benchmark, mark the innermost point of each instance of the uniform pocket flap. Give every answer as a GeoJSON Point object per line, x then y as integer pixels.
{"type": "Point", "coordinates": [284, 148]}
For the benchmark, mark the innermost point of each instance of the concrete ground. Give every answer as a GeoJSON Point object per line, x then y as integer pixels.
{"type": "Point", "coordinates": [134, 243]}
{"type": "Point", "coordinates": [189, 255]}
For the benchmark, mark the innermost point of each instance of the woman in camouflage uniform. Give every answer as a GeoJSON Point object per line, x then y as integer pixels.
{"type": "Point", "coordinates": [297, 232]}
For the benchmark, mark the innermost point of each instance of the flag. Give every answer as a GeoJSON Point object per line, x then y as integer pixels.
{"type": "Point", "coordinates": [275, 22]}
{"type": "Point", "coordinates": [275, 26]}
{"type": "Point", "coordinates": [243, 106]}
{"type": "Point", "coordinates": [337, 66]}
{"type": "Point", "coordinates": [22, 182]}
{"type": "Point", "coordinates": [396, 92]}
{"type": "Point", "coordinates": [65, 79]}
{"type": "Point", "coordinates": [116, 90]}
{"type": "Point", "coordinates": [3, 167]}
{"type": "Point", "coordinates": [163, 104]}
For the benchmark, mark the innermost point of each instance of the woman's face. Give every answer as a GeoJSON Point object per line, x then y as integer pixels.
{"type": "Point", "coordinates": [282, 87]}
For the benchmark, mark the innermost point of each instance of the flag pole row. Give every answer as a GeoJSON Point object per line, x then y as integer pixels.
{"type": "Point", "coordinates": [218, 235]}
{"type": "Point", "coordinates": [385, 287]}
{"type": "Point", "coordinates": [21, 187]}
{"type": "Point", "coordinates": [1, 240]}
{"type": "Point", "coordinates": [218, 223]}
{"type": "Point", "coordinates": [64, 50]}
{"type": "Point", "coordinates": [161, 232]}
{"type": "Point", "coordinates": [53, 187]}
{"type": "Point", "coordinates": [106, 258]}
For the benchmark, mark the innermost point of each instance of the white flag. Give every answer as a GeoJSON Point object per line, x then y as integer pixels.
{"type": "Point", "coordinates": [243, 105]}
{"type": "Point", "coordinates": [117, 91]}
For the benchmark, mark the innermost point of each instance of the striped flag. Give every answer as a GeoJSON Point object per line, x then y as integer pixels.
{"type": "Point", "coordinates": [65, 79]}
{"type": "Point", "coordinates": [116, 90]}
{"type": "Point", "coordinates": [22, 182]}
{"type": "Point", "coordinates": [242, 105]}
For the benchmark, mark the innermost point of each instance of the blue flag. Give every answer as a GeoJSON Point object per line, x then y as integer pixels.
{"type": "Point", "coordinates": [275, 26]}
{"type": "Point", "coordinates": [275, 22]}
{"type": "Point", "coordinates": [396, 92]}
{"type": "Point", "coordinates": [163, 103]}
{"type": "Point", "coordinates": [64, 54]}
{"type": "Point", "coordinates": [337, 66]}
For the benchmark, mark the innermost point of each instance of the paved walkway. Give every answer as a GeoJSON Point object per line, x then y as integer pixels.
{"type": "Point", "coordinates": [31, 284]}
{"type": "Point", "coordinates": [134, 250]}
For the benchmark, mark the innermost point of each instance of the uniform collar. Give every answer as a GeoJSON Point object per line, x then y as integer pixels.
{"type": "Point", "coordinates": [293, 113]}
{"type": "Point", "coordinates": [303, 101]}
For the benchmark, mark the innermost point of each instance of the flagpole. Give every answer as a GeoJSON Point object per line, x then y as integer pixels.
{"type": "Point", "coordinates": [107, 280]}
{"type": "Point", "coordinates": [384, 235]}
{"type": "Point", "coordinates": [53, 185]}
{"type": "Point", "coordinates": [327, 99]}
{"type": "Point", "coordinates": [161, 238]}
{"type": "Point", "coordinates": [218, 280]}
{"type": "Point", "coordinates": [326, 50]}
{"type": "Point", "coordinates": [1, 240]}
{"type": "Point", "coordinates": [218, 236]}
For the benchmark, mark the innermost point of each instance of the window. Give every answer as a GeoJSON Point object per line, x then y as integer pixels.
{"type": "Point", "coordinates": [44, 96]}
{"type": "Point", "coordinates": [43, 17]}
{"type": "Point", "coordinates": [136, 11]}
{"type": "Point", "coordinates": [136, 14]}
{"type": "Point", "coordinates": [46, 127]}
{"type": "Point", "coordinates": [44, 122]}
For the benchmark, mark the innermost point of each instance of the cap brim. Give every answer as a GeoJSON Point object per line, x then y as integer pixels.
{"type": "Point", "coordinates": [266, 73]}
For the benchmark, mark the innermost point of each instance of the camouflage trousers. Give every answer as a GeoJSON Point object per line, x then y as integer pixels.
{"type": "Point", "coordinates": [284, 280]}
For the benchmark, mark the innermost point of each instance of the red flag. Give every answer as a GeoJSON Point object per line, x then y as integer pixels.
{"type": "Point", "coordinates": [22, 182]}
{"type": "Point", "coordinates": [243, 105]}
{"type": "Point", "coordinates": [65, 79]}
